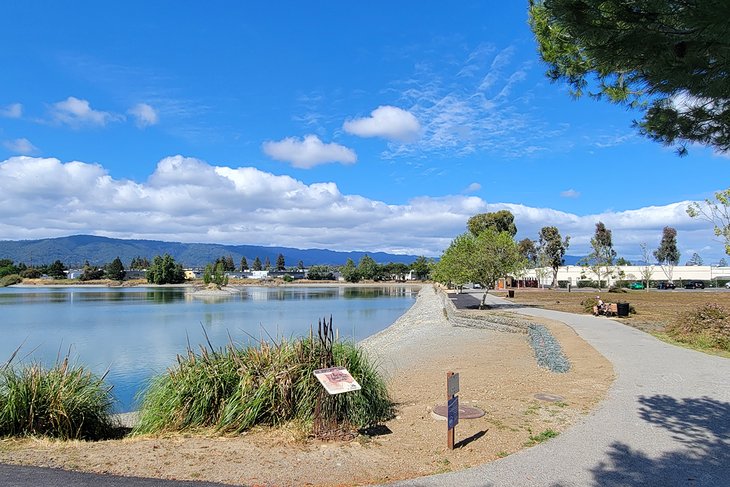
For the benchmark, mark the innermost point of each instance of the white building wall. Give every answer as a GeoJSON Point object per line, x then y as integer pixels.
{"type": "Point", "coordinates": [572, 273]}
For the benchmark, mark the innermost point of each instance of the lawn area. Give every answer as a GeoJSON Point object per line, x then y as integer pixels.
{"type": "Point", "coordinates": [654, 308]}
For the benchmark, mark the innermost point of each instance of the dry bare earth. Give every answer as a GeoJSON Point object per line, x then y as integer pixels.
{"type": "Point", "coordinates": [498, 374]}
{"type": "Point", "coordinates": [654, 308]}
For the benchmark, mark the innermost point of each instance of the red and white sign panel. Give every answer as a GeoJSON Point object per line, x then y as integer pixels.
{"type": "Point", "coordinates": [336, 380]}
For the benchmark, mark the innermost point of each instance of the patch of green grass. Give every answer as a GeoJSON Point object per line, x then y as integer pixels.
{"type": "Point", "coordinates": [698, 346]}
{"type": "Point", "coordinates": [502, 454]}
{"type": "Point", "coordinates": [65, 402]}
{"type": "Point", "coordinates": [544, 436]}
{"type": "Point", "coordinates": [233, 389]}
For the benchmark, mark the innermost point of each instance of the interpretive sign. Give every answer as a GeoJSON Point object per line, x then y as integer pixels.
{"type": "Point", "coordinates": [453, 412]}
{"type": "Point", "coordinates": [336, 380]}
{"type": "Point", "coordinates": [452, 384]}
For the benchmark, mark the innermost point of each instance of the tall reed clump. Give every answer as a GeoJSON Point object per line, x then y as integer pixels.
{"type": "Point", "coordinates": [232, 389]}
{"type": "Point", "coordinates": [65, 402]}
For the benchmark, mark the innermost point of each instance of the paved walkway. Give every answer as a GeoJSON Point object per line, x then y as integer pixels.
{"type": "Point", "coordinates": [665, 422]}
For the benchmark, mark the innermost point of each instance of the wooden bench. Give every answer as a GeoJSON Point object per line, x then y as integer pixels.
{"type": "Point", "coordinates": [611, 309]}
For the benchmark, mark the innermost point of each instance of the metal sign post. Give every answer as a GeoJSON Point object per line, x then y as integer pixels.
{"type": "Point", "coordinates": [452, 388]}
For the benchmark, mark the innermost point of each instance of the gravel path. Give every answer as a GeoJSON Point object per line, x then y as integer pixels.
{"type": "Point", "coordinates": [666, 421]}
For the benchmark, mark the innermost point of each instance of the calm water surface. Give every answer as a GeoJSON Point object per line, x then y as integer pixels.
{"type": "Point", "coordinates": [137, 332]}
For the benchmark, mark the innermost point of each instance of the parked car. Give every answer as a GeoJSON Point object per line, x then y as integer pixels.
{"type": "Point", "coordinates": [694, 285]}
{"type": "Point", "coordinates": [636, 285]}
{"type": "Point", "coordinates": [666, 285]}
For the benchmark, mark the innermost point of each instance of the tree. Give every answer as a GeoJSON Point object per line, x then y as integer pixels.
{"type": "Point", "coordinates": [164, 270]}
{"type": "Point", "coordinates": [455, 265]}
{"type": "Point", "coordinates": [139, 263]}
{"type": "Point", "coordinates": [90, 273]}
{"type": "Point", "coordinates": [496, 256]}
{"type": "Point", "coordinates": [667, 255]}
{"type": "Point", "coordinates": [600, 260]}
{"type": "Point", "coordinates": [552, 248]}
{"type": "Point", "coordinates": [367, 268]}
{"type": "Point", "coordinates": [622, 262]}
{"type": "Point", "coordinates": [56, 270]}
{"type": "Point", "coordinates": [500, 221]}
{"type": "Point", "coordinates": [528, 250]}
{"type": "Point", "coordinates": [228, 264]}
{"type": "Point", "coordinates": [300, 265]}
{"type": "Point", "coordinates": [695, 259]}
{"type": "Point", "coordinates": [321, 273]}
{"type": "Point", "coordinates": [244, 264]}
{"type": "Point", "coordinates": [215, 274]}
{"type": "Point", "coordinates": [722, 263]}
{"type": "Point", "coordinates": [349, 272]}
{"type": "Point", "coordinates": [7, 267]}
{"type": "Point", "coordinates": [267, 263]}
{"type": "Point", "coordinates": [257, 264]}
{"type": "Point", "coordinates": [666, 58]}
{"type": "Point", "coordinates": [280, 264]}
{"type": "Point", "coordinates": [421, 267]}
{"type": "Point", "coordinates": [716, 213]}
{"type": "Point", "coordinates": [115, 270]}
{"type": "Point", "coordinates": [647, 270]}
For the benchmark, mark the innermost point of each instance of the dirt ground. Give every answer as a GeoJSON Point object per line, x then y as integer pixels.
{"type": "Point", "coordinates": [498, 374]}
{"type": "Point", "coordinates": [654, 308]}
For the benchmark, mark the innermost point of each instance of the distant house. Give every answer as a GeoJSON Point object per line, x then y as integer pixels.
{"type": "Point", "coordinates": [135, 274]}
{"type": "Point", "coordinates": [74, 273]}
{"type": "Point", "coordinates": [296, 274]}
{"type": "Point", "coordinates": [193, 274]}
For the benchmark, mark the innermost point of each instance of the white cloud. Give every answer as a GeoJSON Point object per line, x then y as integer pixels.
{"type": "Point", "coordinates": [14, 110]}
{"type": "Point", "coordinates": [473, 187]}
{"type": "Point", "coordinates": [76, 113]}
{"type": "Point", "coordinates": [144, 115]}
{"type": "Point", "coordinates": [386, 121]}
{"type": "Point", "coordinates": [189, 200]}
{"type": "Point", "coordinates": [570, 193]}
{"type": "Point", "coordinates": [308, 152]}
{"type": "Point", "coordinates": [20, 146]}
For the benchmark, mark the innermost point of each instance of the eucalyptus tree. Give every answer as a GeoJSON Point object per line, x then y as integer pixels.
{"type": "Point", "coordinates": [667, 255]}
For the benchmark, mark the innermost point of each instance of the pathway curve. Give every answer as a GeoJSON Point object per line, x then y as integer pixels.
{"type": "Point", "coordinates": [665, 421]}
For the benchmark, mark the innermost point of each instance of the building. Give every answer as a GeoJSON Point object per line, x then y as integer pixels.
{"type": "Point", "coordinates": [573, 274]}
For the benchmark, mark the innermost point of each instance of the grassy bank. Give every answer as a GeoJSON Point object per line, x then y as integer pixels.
{"type": "Point", "coordinates": [65, 401]}
{"type": "Point", "coordinates": [232, 389]}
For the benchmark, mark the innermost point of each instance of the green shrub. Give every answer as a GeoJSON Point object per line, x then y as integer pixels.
{"type": "Point", "coordinates": [232, 389]}
{"type": "Point", "coordinates": [66, 402]}
{"type": "Point", "coordinates": [707, 326]}
{"type": "Point", "coordinates": [9, 280]}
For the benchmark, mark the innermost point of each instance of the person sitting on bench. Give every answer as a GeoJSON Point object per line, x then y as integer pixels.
{"type": "Point", "coordinates": [600, 307]}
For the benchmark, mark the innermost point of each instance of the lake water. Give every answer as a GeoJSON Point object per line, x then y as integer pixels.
{"type": "Point", "coordinates": [136, 333]}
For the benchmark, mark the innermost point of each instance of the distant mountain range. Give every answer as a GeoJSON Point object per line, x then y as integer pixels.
{"type": "Point", "coordinates": [76, 249]}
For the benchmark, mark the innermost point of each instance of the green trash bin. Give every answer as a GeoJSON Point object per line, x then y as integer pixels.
{"type": "Point", "coordinates": [622, 309]}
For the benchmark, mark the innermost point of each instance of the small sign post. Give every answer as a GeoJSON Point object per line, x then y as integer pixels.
{"type": "Point", "coordinates": [452, 388]}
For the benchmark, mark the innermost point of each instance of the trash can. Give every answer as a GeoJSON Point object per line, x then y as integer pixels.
{"type": "Point", "coordinates": [622, 309]}
{"type": "Point", "coordinates": [511, 293]}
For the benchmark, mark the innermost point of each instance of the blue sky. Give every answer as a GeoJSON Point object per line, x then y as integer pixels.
{"type": "Point", "coordinates": [373, 126]}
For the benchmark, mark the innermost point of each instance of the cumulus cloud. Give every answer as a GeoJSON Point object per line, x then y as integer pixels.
{"type": "Point", "coordinates": [570, 193]}
{"type": "Point", "coordinates": [308, 152]}
{"type": "Point", "coordinates": [14, 110]}
{"type": "Point", "coordinates": [76, 113]}
{"type": "Point", "coordinates": [189, 200]}
{"type": "Point", "coordinates": [20, 146]}
{"type": "Point", "coordinates": [144, 115]}
{"type": "Point", "coordinates": [386, 121]}
{"type": "Point", "coordinates": [473, 187]}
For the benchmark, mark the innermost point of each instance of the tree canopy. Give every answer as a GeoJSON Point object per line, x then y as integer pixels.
{"type": "Point", "coordinates": [669, 59]}
{"type": "Point", "coordinates": [600, 260]}
{"type": "Point", "coordinates": [499, 221]}
{"type": "Point", "coordinates": [717, 213]}
{"type": "Point", "coordinates": [552, 248]}
{"type": "Point", "coordinates": [115, 270]}
{"type": "Point", "coordinates": [164, 270]}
